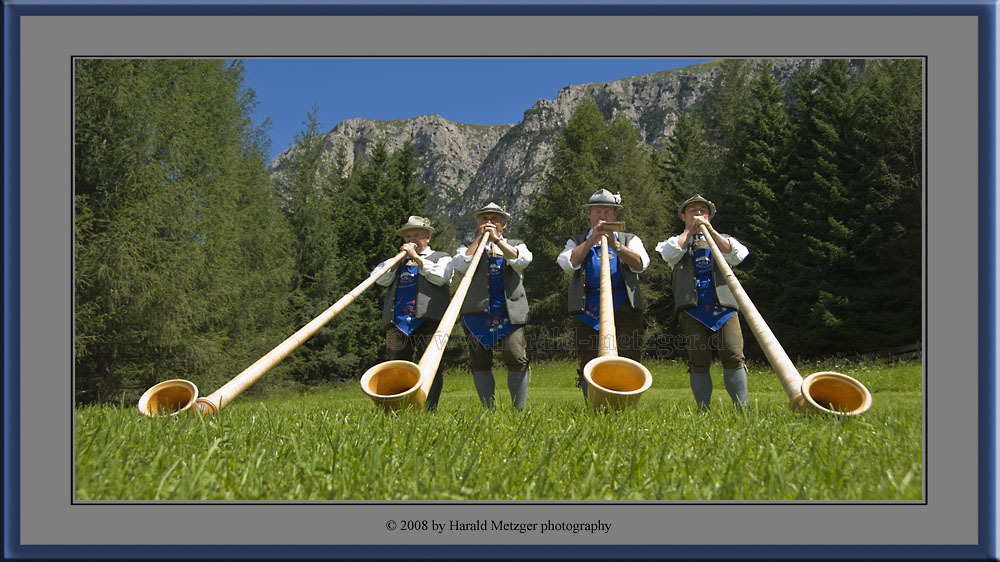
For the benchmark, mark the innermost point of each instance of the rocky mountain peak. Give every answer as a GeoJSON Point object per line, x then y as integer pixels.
{"type": "Point", "coordinates": [466, 166]}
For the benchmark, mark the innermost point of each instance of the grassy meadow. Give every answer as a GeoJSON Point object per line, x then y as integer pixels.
{"type": "Point", "coordinates": [334, 444]}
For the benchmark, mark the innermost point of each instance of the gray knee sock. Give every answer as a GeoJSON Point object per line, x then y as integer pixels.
{"type": "Point", "coordinates": [517, 384]}
{"type": "Point", "coordinates": [701, 386]}
{"type": "Point", "coordinates": [736, 384]}
{"type": "Point", "coordinates": [484, 386]}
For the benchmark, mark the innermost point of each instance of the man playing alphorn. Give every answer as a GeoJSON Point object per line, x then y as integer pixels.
{"type": "Point", "coordinates": [496, 308]}
{"type": "Point", "coordinates": [704, 303]}
{"type": "Point", "coordinates": [417, 298]}
{"type": "Point", "coordinates": [627, 258]}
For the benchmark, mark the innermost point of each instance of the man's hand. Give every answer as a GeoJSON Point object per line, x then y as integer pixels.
{"type": "Point", "coordinates": [488, 227]}
{"type": "Point", "coordinates": [695, 228]}
{"type": "Point", "coordinates": [411, 250]}
{"type": "Point", "coordinates": [693, 225]}
{"type": "Point", "coordinates": [595, 236]}
{"type": "Point", "coordinates": [491, 236]}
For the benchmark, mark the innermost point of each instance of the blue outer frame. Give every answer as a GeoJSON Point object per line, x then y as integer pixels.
{"type": "Point", "coordinates": [983, 9]}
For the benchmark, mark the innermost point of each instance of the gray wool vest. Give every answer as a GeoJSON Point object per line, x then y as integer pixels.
{"type": "Point", "coordinates": [578, 288]}
{"type": "Point", "coordinates": [432, 300]}
{"type": "Point", "coordinates": [477, 301]}
{"type": "Point", "coordinates": [686, 292]}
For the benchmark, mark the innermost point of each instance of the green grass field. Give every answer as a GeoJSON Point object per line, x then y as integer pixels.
{"type": "Point", "coordinates": [334, 444]}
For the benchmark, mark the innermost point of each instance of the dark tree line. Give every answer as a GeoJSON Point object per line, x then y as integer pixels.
{"type": "Point", "coordinates": [823, 183]}
{"type": "Point", "coordinates": [192, 260]}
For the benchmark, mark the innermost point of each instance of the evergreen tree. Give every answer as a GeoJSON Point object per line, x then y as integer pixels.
{"type": "Point", "coordinates": [404, 172]}
{"type": "Point", "coordinates": [252, 310]}
{"type": "Point", "coordinates": [755, 201]}
{"type": "Point", "coordinates": [171, 205]}
{"type": "Point", "coordinates": [681, 165]}
{"type": "Point", "coordinates": [306, 189]}
{"type": "Point", "coordinates": [814, 251]}
{"type": "Point", "coordinates": [884, 278]}
{"type": "Point", "coordinates": [377, 197]}
{"type": "Point", "coordinates": [726, 112]}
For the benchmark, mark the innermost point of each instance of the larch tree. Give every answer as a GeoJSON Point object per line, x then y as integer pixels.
{"type": "Point", "coordinates": [163, 155]}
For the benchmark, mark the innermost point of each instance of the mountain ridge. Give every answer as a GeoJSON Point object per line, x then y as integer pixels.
{"type": "Point", "coordinates": [466, 165]}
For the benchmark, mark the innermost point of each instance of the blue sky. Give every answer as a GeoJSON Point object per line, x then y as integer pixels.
{"type": "Point", "coordinates": [476, 91]}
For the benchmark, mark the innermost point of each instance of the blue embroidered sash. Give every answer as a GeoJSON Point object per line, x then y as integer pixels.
{"type": "Point", "coordinates": [708, 311]}
{"type": "Point", "coordinates": [489, 328]}
{"type": "Point", "coordinates": [406, 301]}
{"type": "Point", "coordinates": [591, 314]}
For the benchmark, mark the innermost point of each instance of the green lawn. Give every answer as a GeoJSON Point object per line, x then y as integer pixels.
{"type": "Point", "coordinates": [334, 444]}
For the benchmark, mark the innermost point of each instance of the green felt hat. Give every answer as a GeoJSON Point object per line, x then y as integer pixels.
{"type": "Point", "coordinates": [605, 197]}
{"type": "Point", "coordinates": [693, 199]}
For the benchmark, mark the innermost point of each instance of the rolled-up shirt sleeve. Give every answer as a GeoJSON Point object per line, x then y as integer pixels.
{"type": "Point", "coordinates": [738, 253]}
{"type": "Point", "coordinates": [635, 244]}
{"type": "Point", "coordinates": [460, 262]}
{"type": "Point", "coordinates": [437, 272]}
{"type": "Point", "coordinates": [563, 258]}
{"type": "Point", "coordinates": [522, 260]}
{"type": "Point", "coordinates": [671, 251]}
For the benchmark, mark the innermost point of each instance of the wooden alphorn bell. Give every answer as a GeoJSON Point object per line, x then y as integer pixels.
{"type": "Point", "coordinates": [613, 382]}
{"type": "Point", "coordinates": [177, 395]}
{"type": "Point", "coordinates": [826, 392]}
{"type": "Point", "coordinates": [398, 384]}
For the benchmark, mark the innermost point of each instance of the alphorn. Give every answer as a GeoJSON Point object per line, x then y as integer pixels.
{"type": "Point", "coordinates": [613, 382]}
{"type": "Point", "coordinates": [826, 392]}
{"type": "Point", "coordinates": [178, 395]}
{"type": "Point", "coordinates": [399, 384]}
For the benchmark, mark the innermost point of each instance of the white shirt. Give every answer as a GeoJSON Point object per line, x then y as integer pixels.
{"type": "Point", "coordinates": [438, 272]}
{"type": "Point", "coordinates": [672, 253]}
{"type": "Point", "coordinates": [461, 262]}
{"type": "Point", "coordinates": [635, 244]}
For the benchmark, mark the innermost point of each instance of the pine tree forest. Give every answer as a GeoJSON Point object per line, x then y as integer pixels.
{"type": "Point", "coordinates": [193, 259]}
